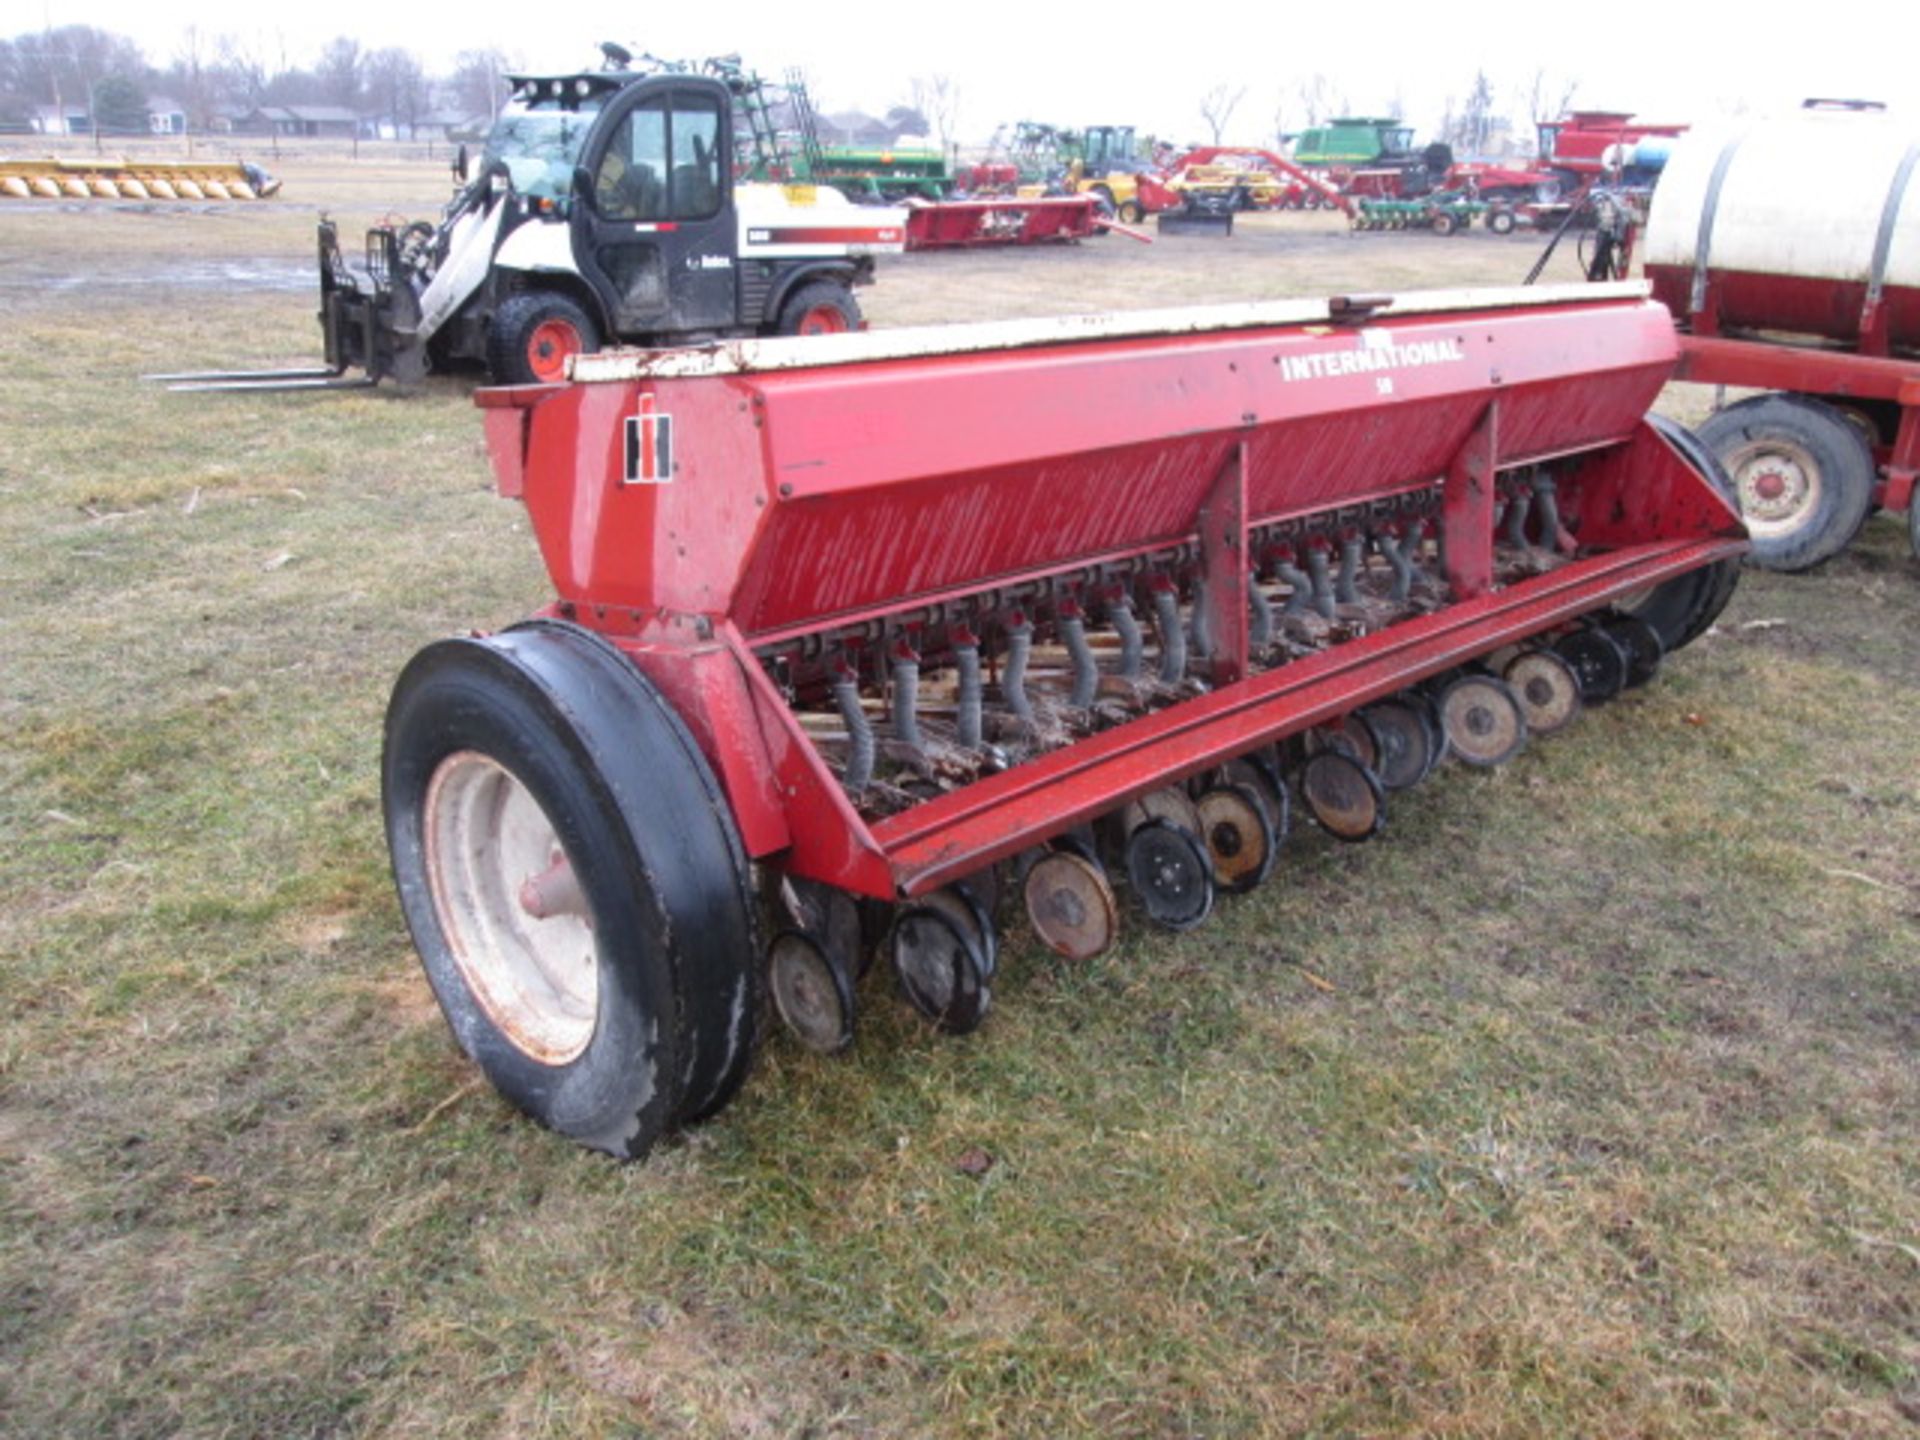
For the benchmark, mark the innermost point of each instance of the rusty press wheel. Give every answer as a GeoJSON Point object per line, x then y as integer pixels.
{"type": "Point", "coordinates": [1406, 743]}
{"type": "Point", "coordinates": [1547, 688]}
{"type": "Point", "coordinates": [812, 994]}
{"type": "Point", "coordinates": [1239, 837]}
{"type": "Point", "coordinates": [941, 971]}
{"type": "Point", "coordinates": [1168, 869]}
{"type": "Point", "coordinates": [1484, 721]}
{"type": "Point", "coordinates": [1343, 796]}
{"type": "Point", "coordinates": [1598, 663]}
{"type": "Point", "coordinates": [1640, 643]}
{"type": "Point", "coordinates": [1071, 905]}
{"type": "Point", "coordinates": [573, 882]}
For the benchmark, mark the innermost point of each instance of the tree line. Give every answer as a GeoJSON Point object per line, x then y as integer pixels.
{"type": "Point", "coordinates": [109, 78]}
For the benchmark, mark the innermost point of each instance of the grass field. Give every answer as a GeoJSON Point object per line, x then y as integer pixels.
{"type": "Point", "coordinates": [1584, 1102]}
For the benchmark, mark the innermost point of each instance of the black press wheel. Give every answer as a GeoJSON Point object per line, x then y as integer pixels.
{"type": "Point", "coordinates": [534, 334]}
{"type": "Point", "coordinates": [1682, 609]}
{"type": "Point", "coordinates": [1803, 473]}
{"type": "Point", "coordinates": [573, 882]}
{"type": "Point", "coordinates": [822, 307]}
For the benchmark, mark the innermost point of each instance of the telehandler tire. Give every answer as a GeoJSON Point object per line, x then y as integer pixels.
{"type": "Point", "coordinates": [532, 336]}
{"type": "Point", "coordinates": [824, 307]}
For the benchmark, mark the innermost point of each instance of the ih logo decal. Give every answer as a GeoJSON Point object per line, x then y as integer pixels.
{"type": "Point", "coordinates": [649, 446]}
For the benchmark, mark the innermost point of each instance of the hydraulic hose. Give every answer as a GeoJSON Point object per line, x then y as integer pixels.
{"type": "Point", "coordinates": [1260, 627]}
{"type": "Point", "coordinates": [1344, 589]}
{"type": "Point", "coordinates": [1132, 647]}
{"type": "Point", "coordinates": [1014, 683]}
{"type": "Point", "coordinates": [1173, 639]}
{"type": "Point", "coordinates": [1322, 582]}
{"type": "Point", "coordinates": [1086, 673]}
{"type": "Point", "coordinates": [859, 774]}
{"type": "Point", "coordinates": [906, 695]}
{"type": "Point", "coordinates": [967, 657]}
{"type": "Point", "coordinates": [1202, 621]}
{"type": "Point", "coordinates": [1301, 587]}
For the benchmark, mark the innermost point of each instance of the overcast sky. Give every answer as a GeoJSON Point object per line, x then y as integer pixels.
{"type": "Point", "coordinates": [1148, 65]}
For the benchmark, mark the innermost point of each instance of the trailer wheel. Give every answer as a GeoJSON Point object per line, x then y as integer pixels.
{"type": "Point", "coordinates": [534, 334]}
{"type": "Point", "coordinates": [826, 307]}
{"type": "Point", "coordinates": [573, 882]}
{"type": "Point", "coordinates": [1444, 223]}
{"type": "Point", "coordinates": [1682, 609]}
{"type": "Point", "coordinates": [1803, 474]}
{"type": "Point", "coordinates": [1500, 222]}
{"type": "Point", "coordinates": [1132, 212]}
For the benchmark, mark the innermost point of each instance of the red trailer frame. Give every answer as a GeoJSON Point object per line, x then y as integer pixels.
{"type": "Point", "coordinates": [1832, 375]}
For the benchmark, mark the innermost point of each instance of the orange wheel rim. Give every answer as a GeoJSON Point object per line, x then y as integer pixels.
{"type": "Point", "coordinates": [824, 320]}
{"type": "Point", "coordinates": [549, 346]}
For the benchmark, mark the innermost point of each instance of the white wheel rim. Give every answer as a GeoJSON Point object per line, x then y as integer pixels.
{"type": "Point", "coordinates": [1779, 485]}
{"type": "Point", "coordinates": [512, 913]}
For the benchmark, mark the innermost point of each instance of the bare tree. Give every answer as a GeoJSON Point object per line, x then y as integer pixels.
{"type": "Point", "coordinates": [479, 82]}
{"type": "Point", "coordinates": [1547, 97]}
{"type": "Point", "coordinates": [1318, 101]}
{"type": "Point", "coordinates": [938, 98]}
{"type": "Point", "coordinates": [341, 71]}
{"type": "Point", "coordinates": [397, 86]}
{"type": "Point", "coordinates": [243, 70]}
{"type": "Point", "coordinates": [1473, 127]}
{"type": "Point", "coordinates": [1217, 107]}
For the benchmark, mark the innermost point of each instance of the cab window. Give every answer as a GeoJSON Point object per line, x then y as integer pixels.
{"type": "Point", "coordinates": [663, 162]}
{"type": "Point", "coordinates": [632, 182]}
{"type": "Point", "coordinates": [696, 158]}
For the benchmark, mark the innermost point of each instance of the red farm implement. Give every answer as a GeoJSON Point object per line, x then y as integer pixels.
{"type": "Point", "coordinates": [956, 224]}
{"type": "Point", "coordinates": [862, 641]}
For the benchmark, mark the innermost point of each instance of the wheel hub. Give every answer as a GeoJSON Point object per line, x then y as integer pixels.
{"type": "Point", "coordinates": [1779, 485]}
{"type": "Point", "coordinates": [511, 907]}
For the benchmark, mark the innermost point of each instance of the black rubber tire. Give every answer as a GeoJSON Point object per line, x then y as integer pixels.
{"type": "Point", "coordinates": [1500, 222]}
{"type": "Point", "coordinates": [1132, 212]}
{"type": "Point", "coordinates": [510, 335]}
{"type": "Point", "coordinates": [1682, 609]}
{"type": "Point", "coordinates": [1444, 223]}
{"type": "Point", "coordinates": [653, 845]}
{"type": "Point", "coordinates": [818, 295]}
{"type": "Point", "coordinates": [1828, 443]}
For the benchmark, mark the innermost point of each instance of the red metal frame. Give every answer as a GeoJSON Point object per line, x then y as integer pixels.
{"type": "Point", "coordinates": [1829, 374]}
{"type": "Point", "coordinates": [952, 224]}
{"type": "Point", "coordinates": [853, 497]}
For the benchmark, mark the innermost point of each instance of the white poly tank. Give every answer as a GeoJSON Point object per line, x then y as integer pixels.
{"type": "Point", "coordinates": [1795, 225]}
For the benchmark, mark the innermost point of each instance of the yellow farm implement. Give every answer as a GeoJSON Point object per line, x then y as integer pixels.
{"type": "Point", "coordinates": [125, 179]}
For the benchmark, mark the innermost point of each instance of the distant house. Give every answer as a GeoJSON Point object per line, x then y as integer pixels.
{"type": "Point", "coordinates": [66, 120]}
{"type": "Point", "coordinates": [166, 115]}
{"type": "Point", "coordinates": [309, 122]}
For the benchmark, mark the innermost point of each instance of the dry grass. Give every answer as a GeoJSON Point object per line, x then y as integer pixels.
{"type": "Point", "coordinates": [1602, 1121]}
